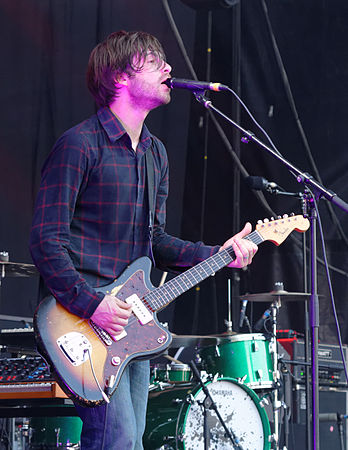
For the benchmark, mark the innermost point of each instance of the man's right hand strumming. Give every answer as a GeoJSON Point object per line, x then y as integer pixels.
{"type": "Point", "coordinates": [112, 315]}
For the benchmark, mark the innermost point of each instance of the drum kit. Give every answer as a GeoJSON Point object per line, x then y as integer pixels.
{"type": "Point", "coordinates": [241, 374]}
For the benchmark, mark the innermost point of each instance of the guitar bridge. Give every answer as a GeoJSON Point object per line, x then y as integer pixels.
{"type": "Point", "coordinates": [76, 347]}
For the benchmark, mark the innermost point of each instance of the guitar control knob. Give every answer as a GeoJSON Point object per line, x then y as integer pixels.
{"type": "Point", "coordinates": [115, 360]}
{"type": "Point", "coordinates": [161, 339]}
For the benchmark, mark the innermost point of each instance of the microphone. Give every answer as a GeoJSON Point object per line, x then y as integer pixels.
{"type": "Point", "coordinates": [192, 85]}
{"type": "Point", "coordinates": [242, 313]}
{"type": "Point", "coordinates": [261, 322]}
{"type": "Point", "coordinates": [261, 184]}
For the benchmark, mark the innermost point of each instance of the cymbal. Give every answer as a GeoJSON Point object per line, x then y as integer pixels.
{"type": "Point", "coordinates": [274, 295]}
{"type": "Point", "coordinates": [226, 334]}
{"type": "Point", "coordinates": [188, 340]}
{"type": "Point", "coordinates": [12, 269]}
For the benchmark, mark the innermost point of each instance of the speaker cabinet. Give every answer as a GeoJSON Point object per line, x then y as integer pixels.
{"type": "Point", "coordinates": [331, 400]}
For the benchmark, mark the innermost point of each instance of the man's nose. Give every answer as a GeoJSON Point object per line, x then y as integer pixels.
{"type": "Point", "coordinates": [167, 67]}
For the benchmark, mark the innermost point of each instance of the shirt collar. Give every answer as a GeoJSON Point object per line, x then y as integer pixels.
{"type": "Point", "coordinates": [114, 128]}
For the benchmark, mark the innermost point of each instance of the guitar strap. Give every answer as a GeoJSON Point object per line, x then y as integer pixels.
{"type": "Point", "coordinates": [150, 173]}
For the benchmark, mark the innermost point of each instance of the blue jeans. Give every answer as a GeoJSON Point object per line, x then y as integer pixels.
{"type": "Point", "coordinates": [119, 425]}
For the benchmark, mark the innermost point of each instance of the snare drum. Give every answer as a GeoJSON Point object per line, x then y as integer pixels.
{"type": "Point", "coordinates": [246, 357]}
{"type": "Point", "coordinates": [175, 418]}
{"type": "Point", "coordinates": [53, 432]}
{"type": "Point", "coordinates": [171, 373]}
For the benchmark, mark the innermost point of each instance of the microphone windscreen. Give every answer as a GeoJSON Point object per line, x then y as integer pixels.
{"type": "Point", "coordinates": [256, 183]}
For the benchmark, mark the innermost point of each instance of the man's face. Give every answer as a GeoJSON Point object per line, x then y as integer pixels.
{"type": "Point", "coordinates": [146, 87]}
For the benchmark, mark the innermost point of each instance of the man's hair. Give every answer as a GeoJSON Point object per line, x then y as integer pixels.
{"type": "Point", "coordinates": [121, 52]}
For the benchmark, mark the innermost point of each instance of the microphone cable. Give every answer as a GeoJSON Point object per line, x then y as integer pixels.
{"type": "Point", "coordinates": [293, 108]}
{"type": "Point", "coordinates": [259, 195]}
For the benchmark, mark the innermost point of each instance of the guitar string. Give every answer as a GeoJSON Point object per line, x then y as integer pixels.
{"type": "Point", "coordinates": [160, 297]}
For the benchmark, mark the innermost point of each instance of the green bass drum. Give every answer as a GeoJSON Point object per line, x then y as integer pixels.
{"type": "Point", "coordinates": [175, 419]}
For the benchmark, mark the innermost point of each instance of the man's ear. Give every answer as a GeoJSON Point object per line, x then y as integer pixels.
{"type": "Point", "coordinates": [121, 79]}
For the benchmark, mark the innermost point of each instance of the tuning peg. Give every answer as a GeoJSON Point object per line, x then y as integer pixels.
{"type": "Point", "coordinates": [279, 217]}
{"type": "Point", "coordinates": [285, 216]}
{"type": "Point", "coordinates": [265, 220]}
{"type": "Point", "coordinates": [292, 214]}
{"type": "Point", "coordinates": [259, 222]}
{"type": "Point", "coordinates": [272, 218]}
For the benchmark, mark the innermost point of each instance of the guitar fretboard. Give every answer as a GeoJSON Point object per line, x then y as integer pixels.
{"type": "Point", "coordinates": [159, 298]}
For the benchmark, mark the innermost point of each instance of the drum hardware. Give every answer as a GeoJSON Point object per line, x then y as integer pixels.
{"type": "Point", "coordinates": [276, 294]}
{"type": "Point", "coordinates": [12, 269]}
{"type": "Point", "coordinates": [171, 359]}
{"type": "Point", "coordinates": [199, 341]}
{"type": "Point", "coordinates": [228, 321]}
{"type": "Point", "coordinates": [243, 318]}
{"type": "Point", "coordinates": [276, 375]}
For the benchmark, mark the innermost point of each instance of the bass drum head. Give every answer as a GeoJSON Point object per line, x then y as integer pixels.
{"type": "Point", "coordinates": [240, 408]}
{"type": "Point", "coordinates": [175, 419]}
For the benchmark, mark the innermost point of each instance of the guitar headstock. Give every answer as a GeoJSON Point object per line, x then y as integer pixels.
{"type": "Point", "coordinates": [277, 230]}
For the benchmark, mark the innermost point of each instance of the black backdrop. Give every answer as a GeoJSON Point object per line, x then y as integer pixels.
{"type": "Point", "coordinates": [44, 50]}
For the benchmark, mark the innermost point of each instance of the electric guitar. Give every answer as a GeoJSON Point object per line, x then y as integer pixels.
{"type": "Point", "coordinates": [87, 361]}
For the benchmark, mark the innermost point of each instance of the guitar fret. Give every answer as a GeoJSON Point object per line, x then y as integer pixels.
{"type": "Point", "coordinates": [171, 290]}
{"type": "Point", "coordinates": [210, 267]}
{"type": "Point", "coordinates": [175, 285]}
{"type": "Point", "coordinates": [199, 270]}
{"type": "Point", "coordinates": [225, 258]}
{"type": "Point", "coordinates": [255, 237]}
{"type": "Point", "coordinates": [158, 297]}
{"type": "Point", "coordinates": [151, 298]}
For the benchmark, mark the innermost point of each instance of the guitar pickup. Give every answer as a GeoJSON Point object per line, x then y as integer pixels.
{"type": "Point", "coordinates": [139, 309]}
{"type": "Point", "coordinates": [118, 337]}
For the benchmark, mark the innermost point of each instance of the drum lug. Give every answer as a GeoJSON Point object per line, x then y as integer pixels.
{"type": "Point", "coordinates": [190, 399]}
{"type": "Point", "coordinates": [259, 374]}
{"type": "Point", "coordinates": [180, 437]}
{"type": "Point", "coordinates": [264, 402]}
{"type": "Point", "coordinates": [272, 438]}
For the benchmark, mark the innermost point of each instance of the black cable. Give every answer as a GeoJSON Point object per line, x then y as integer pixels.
{"type": "Point", "coordinates": [332, 297]}
{"type": "Point", "coordinates": [292, 103]}
{"type": "Point", "coordinates": [259, 195]}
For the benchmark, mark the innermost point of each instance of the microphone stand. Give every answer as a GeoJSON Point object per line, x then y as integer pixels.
{"type": "Point", "coordinates": [207, 404]}
{"type": "Point", "coordinates": [305, 202]}
{"type": "Point", "coordinates": [319, 191]}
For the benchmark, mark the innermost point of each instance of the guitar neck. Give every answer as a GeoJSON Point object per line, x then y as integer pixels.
{"type": "Point", "coordinates": [161, 297]}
